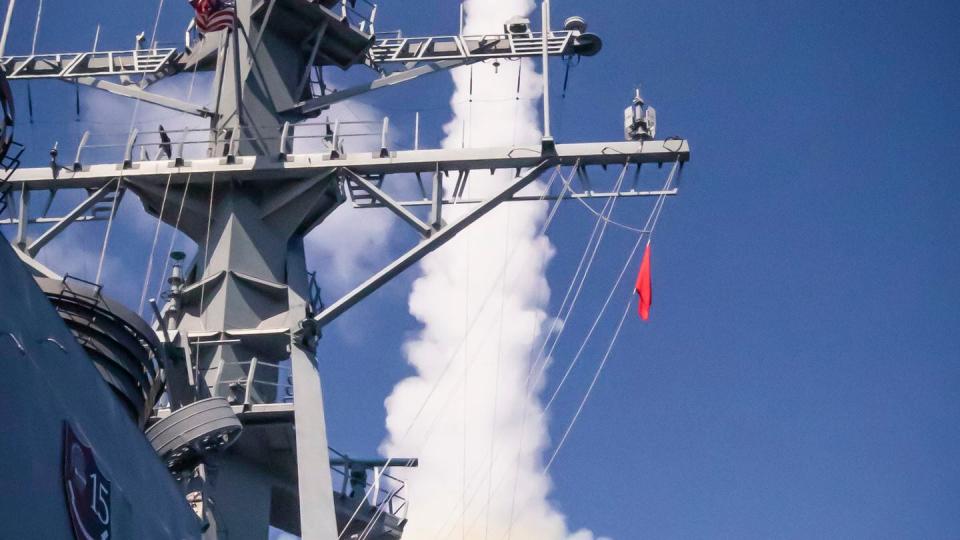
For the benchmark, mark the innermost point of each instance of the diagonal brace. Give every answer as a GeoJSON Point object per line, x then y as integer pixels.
{"type": "Point", "coordinates": [62, 224]}
{"type": "Point", "coordinates": [135, 92]}
{"type": "Point", "coordinates": [427, 246]}
{"type": "Point", "coordinates": [322, 102]}
{"type": "Point", "coordinates": [387, 200]}
{"type": "Point", "coordinates": [320, 32]}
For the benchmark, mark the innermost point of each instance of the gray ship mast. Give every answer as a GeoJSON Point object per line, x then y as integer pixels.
{"type": "Point", "coordinates": [247, 302]}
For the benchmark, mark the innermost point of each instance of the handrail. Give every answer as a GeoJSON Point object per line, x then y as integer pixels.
{"type": "Point", "coordinates": [380, 497]}
{"type": "Point", "coordinates": [354, 17]}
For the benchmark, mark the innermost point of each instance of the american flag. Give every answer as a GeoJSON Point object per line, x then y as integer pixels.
{"type": "Point", "coordinates": [215, 15]}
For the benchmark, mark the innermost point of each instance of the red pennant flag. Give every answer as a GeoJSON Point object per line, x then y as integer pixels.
{"type": "Point", "coordinates": [643, 285]}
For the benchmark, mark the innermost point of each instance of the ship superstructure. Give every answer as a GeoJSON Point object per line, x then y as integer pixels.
{"type": "Point", "coordinates": [202, 383]}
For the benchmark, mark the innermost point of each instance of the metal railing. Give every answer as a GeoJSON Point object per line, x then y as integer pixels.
{"type": "Point", "coordinates": [385, 493]}
{"type": "Point", "coordinates": [175, 144]}
{"type": "Point", "coordinates": [477, 47]}
{"type": "Point", "coordinates": [258, 374]}
{"type": "Point", "coordinates": [363, 18]}
{"type": "Point", "coordinates": [9, 165]}
{"type": "Point", "coordinates": [87, 64]}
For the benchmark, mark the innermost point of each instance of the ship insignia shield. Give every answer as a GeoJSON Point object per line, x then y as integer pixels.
{"type": "Point", "coordinates": [87, 489]}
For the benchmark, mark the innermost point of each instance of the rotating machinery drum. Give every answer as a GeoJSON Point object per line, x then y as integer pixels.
{"type": "Point", "coordinates": [193, 431]}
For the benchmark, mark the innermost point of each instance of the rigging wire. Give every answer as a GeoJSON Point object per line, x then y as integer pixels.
{"type": "Point", "coordinates": [106, 237]}
{"type": "Point", "coordinates": [466, 311]}
{"type": "Point", "coordinates": [466, 347]}
{"type": "Point", "coordinates": [434, 422]}
{"type": "Point", "coordinates": [453, 356]}
{"type": "Point", "coordinates": [602, 218]}
{"type": "Point", "coordinates": [11, 4]}
{"type": "Point", "coordinates": [652, 223]}
{"type": "Point", "coordinates": [36, 28]}
{"type": "Point", "coordinates": [449, 362]}
{"type": "Point", "coordinates": [576, 358]}
{"type": "Point", "coordinates": [496, 376]}
{"type": "Point", "coordinates": [655, 215]}
{"type": "Point", "coordinates": [133, 119]}
{"type": "Point", "coordinates": [593, 383]}
{"type": "Point", "coordinates": [203, 280]}
{"type": "Point", "coordinates": [173, 236]}
{"type": "Point", "coordinates": [549, 219]}
{"type": "Point", "coordinates": [153, 247]}
{"type": "Point", "coordinates": [613, 222]}
{"type": "Point", "coordinates": [33, 51]}
{"type": "Point", "coordinates": [176, 227]}
{"type": "Point", "coordinates": [476, 490]}
{"type": "Point", "coordinates": [543, 359]}
{"type": "Point", "coordinates": [156, 23]}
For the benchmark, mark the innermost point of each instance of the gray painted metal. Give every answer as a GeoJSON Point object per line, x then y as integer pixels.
{"type": "Point", "coordinates": [441, 237]}
{"type": "Point", "coordinates": [332, 43]}
{"type": "Point", "coordinates": [72, 65]}
{"type": "Point", "coordinates": [194, 431]}
{"type": "Point", "coordinates": [48, 380]}
{"type": "Point", "coordinates": [244, 306]}
{"type": "Point", "coordinates": [88, 64]}
{"type": "Point", "coordinates": [387, 201]}
{"type": "Point", "coordinates": [526, 198]}
{"type": "Point", "coordinates": [271, 170]}
{"type": "Point", "coordinates": [135, 92]}
{"type": "Point", "coordinates": [119, 343]}
{"type": "Point", "coordinates": [66, 220]}
{"type": "Point", "coordinates": [479, 47]}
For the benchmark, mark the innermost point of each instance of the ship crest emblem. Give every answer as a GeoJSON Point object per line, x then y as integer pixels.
{"type": "Point", "coordinates": [87, 489]}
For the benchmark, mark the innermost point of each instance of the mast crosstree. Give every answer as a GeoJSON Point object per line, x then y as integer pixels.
{"type": "Point", "coordinates": [245, 306]}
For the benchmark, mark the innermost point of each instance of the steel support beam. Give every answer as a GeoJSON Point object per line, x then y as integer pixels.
{"type": "Point", "coordinates": [478, 47]}
{"type": "Point", "coordinates": [436, 204]}
{"type": "Point", "coordinates": [322, 102]}
{"type": "Point", "coordinates": [49, 220]}
{"type": "Point", "coordinates": [317, 516]}
{"type": "Point", "coordinates": [23, 214]}
{"type": "Point", "coordinates": [349, 176]}
{"type": "Point", "coordinates": [528, 198]}
{"type": "Point", "coordinates": [88, 64]}
{"type": "Point", "coordinates": [313, 57]}
{"type": "Point", "coordinates": [299, 166]}
{"type": "Point", "coordinates": [425, 247]}
{"type": "Point", "coordinates": [64, 222]}
{"type": "Point", "coordinates": [135, 92]}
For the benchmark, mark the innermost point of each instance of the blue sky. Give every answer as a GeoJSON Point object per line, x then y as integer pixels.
{"type": "Point", "coordinates": [800, 375]}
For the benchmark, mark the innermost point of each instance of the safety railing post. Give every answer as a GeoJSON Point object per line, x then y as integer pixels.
{"type": "Point", "coordinates": [284, 149]}
{"type": "Point", "coordinates": [128, 150]}
{"type": "Point", "coordinates": [77, 164]}
{"type": "Point", "coordinates": [384, 152]}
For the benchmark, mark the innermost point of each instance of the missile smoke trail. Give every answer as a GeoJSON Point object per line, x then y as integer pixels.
{"type": "Point", "coordinates": [473, 421]}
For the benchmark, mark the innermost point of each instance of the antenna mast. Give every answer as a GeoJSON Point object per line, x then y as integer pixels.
{"type": "Point", "coordinates": [247, 306]}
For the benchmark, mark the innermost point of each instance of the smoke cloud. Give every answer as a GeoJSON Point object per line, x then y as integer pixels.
{"type": "Point", "coordinates": [481, 300]}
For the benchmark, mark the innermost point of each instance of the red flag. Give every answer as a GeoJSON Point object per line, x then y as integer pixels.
{"type": "Point", "coordinates": [643, 285]}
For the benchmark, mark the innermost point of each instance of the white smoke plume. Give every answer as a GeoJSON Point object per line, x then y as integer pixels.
{"type": "Point", "coordinates": [475, 480]}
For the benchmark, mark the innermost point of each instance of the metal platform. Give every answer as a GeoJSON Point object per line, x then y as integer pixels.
{"type": "Point", "coordinates": [88, 64]}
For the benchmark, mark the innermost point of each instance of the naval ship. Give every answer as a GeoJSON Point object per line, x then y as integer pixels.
{"type": "Point", "coordinates": [184, 423]}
